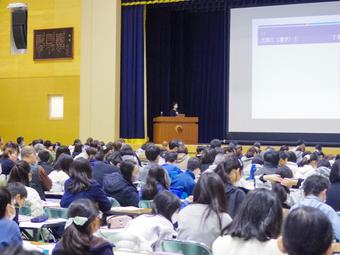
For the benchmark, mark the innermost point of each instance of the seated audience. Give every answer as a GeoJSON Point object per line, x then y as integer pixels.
{"type": "Point", "coordinates": [247, 160]}
{"type": "Point", "coordinates": [204, 220]}
{"type": "Point", "coordinates": [40, 180]}
{"type": "Point", "coordinates": [170, 165]}
{"type": "Point", "coordinates": [308, 165]}
{"type": "Point", "coordinates": [255, 227]}
{"type": "Point", "coordinates": [10, 233]}
{"type": "Point", "coordinates": [291, 162]}
{"type": "Point", "coordinates": [323, 168]}
{"type": "Point", "coordinates": [78, 148]}
{"type": "Point", "coordinates": [101, 168]}
{"type": "Point", "coordinates": [306, 231]}
{"type": "Point", "coordinates": [18, 197]}
{"type": "Point", "coordinates": [84, 220]}
{"type": "Point", "coordinates": [207, 158]}
{"type": "Point", "coordinates": [155, 182]}
{"type": "Point", "coordinates": [44, 157]}
{"type": "Point", "coordinates": [21, 172]}
{"type": "Point", "coordinates": [184, 183]}
{"type": "Point", "coordinates": [81, 185]}
{"type": "Point", "coordinates": [120, 185]}
{"type": "Point", "coordinates": [60, 150]}
{"type": "Point", "coordinates": [159, 225]}
{"type": "Point", "coordinates": [152, 154]}
{"type": "Point", "coordinates": [182, 158]}
{"type": "Point", "coordinates": [9, 157]}
{"type": "Point", "coordinates": [271, 160]}
{"type": "Point", "coordinates": [61, 173]}
{"type": "Point", "coordinates": [230, 172]}
{"type": "Point", "coordinates": [333, 198]}
{"type": "Point", "coordinates": [315, 189]}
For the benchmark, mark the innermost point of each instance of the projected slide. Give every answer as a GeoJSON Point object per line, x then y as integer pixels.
{"type": "Point", "coordinates": [296, 68]}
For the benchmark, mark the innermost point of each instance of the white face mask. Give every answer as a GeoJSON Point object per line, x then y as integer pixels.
{"type": "Point", "coordinates": [237, 184]}
{"type": "Point", "coordinates": [174, 218]}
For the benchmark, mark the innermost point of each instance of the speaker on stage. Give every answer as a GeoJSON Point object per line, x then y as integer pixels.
{"type": "Point", "coordinates": [19, 28]}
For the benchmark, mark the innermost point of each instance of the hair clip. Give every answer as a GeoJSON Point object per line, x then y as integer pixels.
{"type": "Point", "coordinates": [79, 221]}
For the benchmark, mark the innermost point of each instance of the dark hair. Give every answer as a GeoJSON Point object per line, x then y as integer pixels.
{"type": "Point", "coordinates": [209, 190]}
{"type": "Point", "coordinates": [156, 175]}
{"type": "Point", "coordinates": [20, 173]}
{"type": "Point", "coordinates": [78, 148]}
{"type": "Point", "coordinates": [44, 155]}
{"type": "Point", "coordinates": [126, 150]}
{"type": "Point", "coordinates": [81, 173]}
{"type": "Point", "coordinates": [200, 148]}
{"type": "Point", "coordinates": [63, 163]}
{"type": "Point", "coordinates": [208, 156]}
{"type": "Point", "coordinates": [170, 156]}
{"type": "Point", "coordinates": [91, 152]}
{"type": "Point", "coordinates": [20, 139]}
{"type": "Point", "coordinates": [76, 142]}
{"type": "Point", "coordinates": [257, 160]}
{"type": "Point", "coordinates": [318, 147]}
{"type": "Point", "coordinates": [5, 199]}
{"type": "Point", "coordinates": [307, 231]}
{"type": "Point", "coordinates": [315, 184]}
{"type": "Point", "coordinates": [166, 204]}
{"type": "Point", "coordinates": [17, 188]}
{"type": "Point", "coordinates": [335, 172]}
{"type": "Point", "coordinates": [283, 155]}
{"type": "Point", "coordinates": [126, 169]}
{"type": "Point", "coordinates": [9, 148]}
{"type": "Point", "coordinates": [251, 152]}
{"type": "Point", "coordinates": [324, 163]}
{"type": "Point", "coordinates": [76, 239]}
{"type": "Point", "coordinates": [60, 150]}
{"type": "Point", "coordinates": [193, 163]}
{"type": "Point", "coordinates": [259, 216]}
{"type": "Point", "coordinates": [115, 158]}
{"type": "Point", "coordinates": [89, 140]}
{"type": "Point", "coordinates": [224, 168]}
{"type": "Point", "coordinates": [291, 156]}
{"type": "Point", "coordinates": [173, 144]}
{"type": "Point", "coordinates": [152, 152]}
{"type": "Point", "coordinates": [272, 157]}
{"type": "Point", "coordinates": [19, 250]}
{"type": "Point", "coordinates": [284, 148]}
{"type": "Point", "coordinates": [215, 143]}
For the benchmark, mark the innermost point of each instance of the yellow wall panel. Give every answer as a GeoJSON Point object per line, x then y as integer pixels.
{"type": "Point", "coordinates": [25, 84]}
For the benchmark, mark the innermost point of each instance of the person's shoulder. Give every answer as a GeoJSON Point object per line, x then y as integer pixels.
{"type": "Point", "coordinates": [10, 226]}
{"type": "Point", "coordinates": [100, 245]}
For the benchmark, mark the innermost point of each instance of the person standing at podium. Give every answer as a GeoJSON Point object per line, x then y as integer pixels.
{"type": "Point", "coordinates": [174, 110]}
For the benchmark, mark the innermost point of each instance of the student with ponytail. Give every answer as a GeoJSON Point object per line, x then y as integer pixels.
{"type": "Point", "coordinates": [230, 172]}
{"type": "Point", "coordinates": [155, 182]}
{"type": "Point", "coordinates": [78, 238]}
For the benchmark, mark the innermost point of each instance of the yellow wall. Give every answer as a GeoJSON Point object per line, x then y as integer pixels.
{"type": "Point", "coordinates": [25, 84]}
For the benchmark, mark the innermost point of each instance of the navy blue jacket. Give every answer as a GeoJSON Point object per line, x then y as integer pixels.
{"type": "Point", "coordinates": [123, 191]}
{"type": "Point", "coordinates": [333, 198]}
{"type": "Point", "coordinates": [100, 168]}
{"type": "Point", "coordinates": [183, 184]}
{"type": "Point", "coordinates": [94, 193]}
{"type": "Point", "coordinates": [6, 166]}
{"type": "Point", "coordinates": [98, 246]}
{"type": "Point", "coordinates": [234, 196]}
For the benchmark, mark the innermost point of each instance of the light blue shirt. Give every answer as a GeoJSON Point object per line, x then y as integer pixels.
{"type": "Point", "coordinates": [314, 201]}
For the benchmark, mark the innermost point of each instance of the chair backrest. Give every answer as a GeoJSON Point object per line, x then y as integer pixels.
{"type": "Point", "coordinates": [55, 213]}
{"type": "Point", "coordinates": [184, 247]}
{"type": "Point", "coordinates": [145, 204]}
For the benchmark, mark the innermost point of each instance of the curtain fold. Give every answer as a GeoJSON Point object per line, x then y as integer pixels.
{"type": "Point", "coordinates": [132, 73]}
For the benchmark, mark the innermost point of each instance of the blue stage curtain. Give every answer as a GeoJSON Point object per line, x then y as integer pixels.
{"type": "Point", "coordinates": [132, 73]}
{"type": "Point", "coordinates": [186, 63]}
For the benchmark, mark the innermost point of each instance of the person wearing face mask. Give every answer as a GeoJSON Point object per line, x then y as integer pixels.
{"type": "Point", "coordinates": [158, 225]}
{"type": "Point", "coordinates": [40, 180]}
{"type": "Point", "coordinates": [21, 172]}
{"type": "Point", "coordinates": [81, 185]}
{"type": "Point", "coordinates": [315, 188]}
{"type": "Point", "coordinates": [18, 197]}
{"type": "Point", "coordinates": [120, 185]}
{"type": "Point", "coordinates": [230, 172]}
{"type": "Point", "coordinates": [10, 233]}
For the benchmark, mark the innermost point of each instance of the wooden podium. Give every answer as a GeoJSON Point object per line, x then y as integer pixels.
{"type": "Point", "coordinates": [169, 128]}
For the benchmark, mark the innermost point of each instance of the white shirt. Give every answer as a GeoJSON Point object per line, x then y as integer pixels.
{"type": "Point", "coordinates": [228, 245]}
{"type": "Point", "coordinates": [58, 179]}
{"type": "Point", "coordinates": [151, 228]}
{"type": "Point", "coordinates": [34, 202]}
